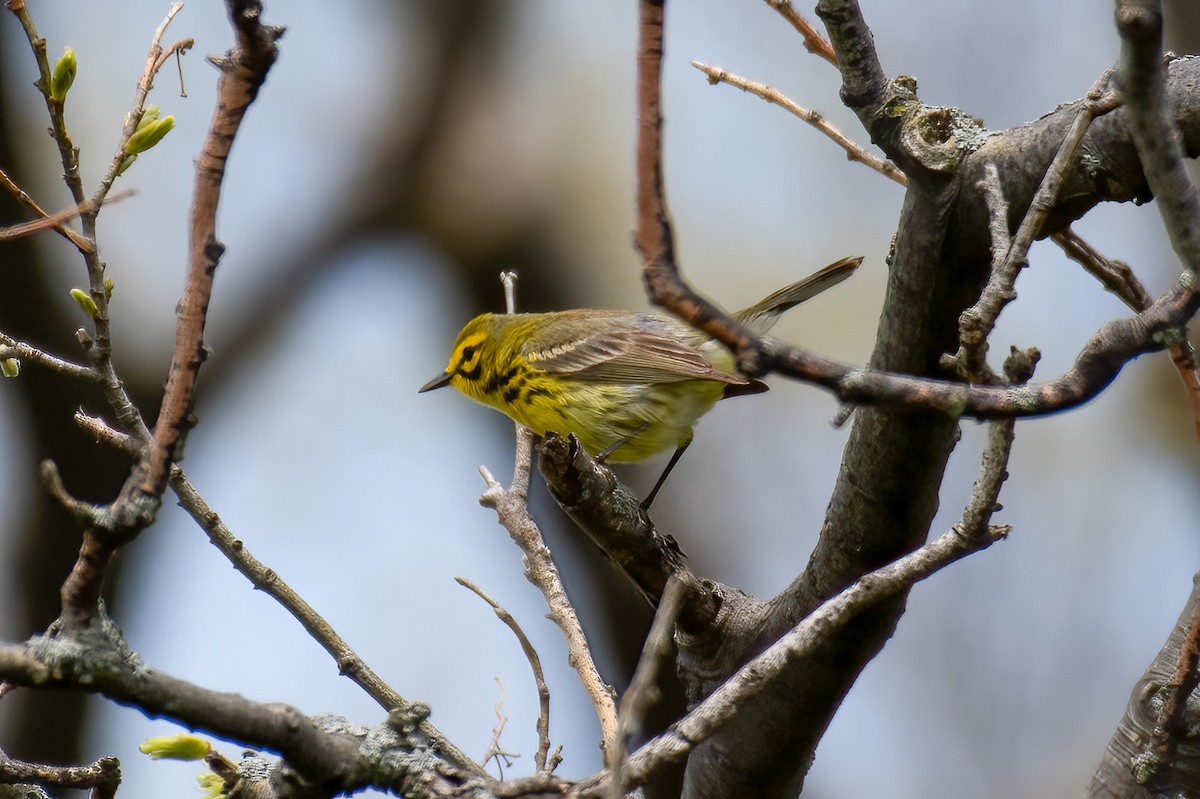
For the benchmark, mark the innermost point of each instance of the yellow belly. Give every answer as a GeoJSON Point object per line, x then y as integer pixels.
{"type": "Point", "coordinates": [648, 417]}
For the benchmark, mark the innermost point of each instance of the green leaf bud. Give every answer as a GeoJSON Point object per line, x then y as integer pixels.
{"type": "Point", "coordinates": [212, 785]}
{"type": "Point", "coordinates": [149, 114]}
{"type": "Point", "coordinates": [86, 303]}
{"type": "Point", "coordinates": [10, 367]}
{"type": "Point", "coordinates": [176, 747]}
{"type": "Point", "coordinates": [63, 75]}
{"type": "Point", "coordinates": [146, 137]}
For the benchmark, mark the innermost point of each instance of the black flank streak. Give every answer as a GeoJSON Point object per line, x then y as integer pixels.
{"type": "Point", "coordinates": [499, 382]}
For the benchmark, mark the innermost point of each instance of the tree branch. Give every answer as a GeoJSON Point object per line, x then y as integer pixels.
{"type": "Point", "coordinates": [724, 703]}
{"type": "Point", "coordinates": [102, 777]}
{"type": "Point", "coordinates": [267, 580]}
{"type": "Point", "coordinates": [1157, 137]}
{"type": "Point", "coordinates": [242, 72]}
{"type": "Point", "coordinates": [512, 511]}
{"type": "Point", "coordinates": [326, 751]}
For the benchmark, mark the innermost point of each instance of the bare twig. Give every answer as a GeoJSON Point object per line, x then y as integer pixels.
{"type": "Point", "coordinates": [267, 580]}
{"type": "Point", "coordinates": [535, 664]}
{"type": "Point", "coordinates": [154, 61]}
{"type": "Point", "coordinates": [642, 694]}
{"type": "Point", "coordinates": [1117, 277]}
{"type": "Point", "coordinates": [11, 348]}
{"type": "Point", "coordinates": [512, 511]}
{"type": "Point", "coordinates": [853, 150]}
{"type": "Point", "coordinates": [102, 777]}
{"type": "Point", "coordinates": [495, 751]}
{"type": "Point", "coordinates": [654, 237]}
{"type": "Point", "coordinates": [243, 71]}
{"type": "Point", "coordinates": [977, 322]}
{"type": "Point", "coordinates": [82, 244]}
{"type": "Point", "coordinates": [55, 220]}
{"type": "Point", "coordinates": [1108, 350]}
{"type": "Point", "coordinates": [509, 280]}
{"type": "Point", "coordinates": [814, 42]}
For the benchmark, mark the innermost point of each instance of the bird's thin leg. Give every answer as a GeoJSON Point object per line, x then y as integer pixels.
{"type": "Point", "coordinates": [663, 477]}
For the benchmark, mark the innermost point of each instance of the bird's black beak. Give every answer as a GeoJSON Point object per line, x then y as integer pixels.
{"type": "Point", "coordinates": [441, 380]}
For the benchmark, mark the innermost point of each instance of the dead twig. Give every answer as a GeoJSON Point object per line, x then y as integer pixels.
{"type": "Point", "coordinates": [535, 664]}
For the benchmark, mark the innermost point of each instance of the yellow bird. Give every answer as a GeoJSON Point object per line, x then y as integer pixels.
{"type": "Point", "coordinates": [628, 384]}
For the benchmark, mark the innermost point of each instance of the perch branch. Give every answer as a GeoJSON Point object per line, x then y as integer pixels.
{"type": "Point", "coordinates": [512, 511]}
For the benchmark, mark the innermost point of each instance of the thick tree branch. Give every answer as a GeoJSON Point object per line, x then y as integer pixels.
{"type": "Point", "coordinates": [763, 671]}
{"type": "Point", "coordinates": [1132, 766]}
{"type": "Point", "coordinates": [611, 515]}
{"type": "Point", "coordinates": [325, 751]}
{"type": "Point", "coordinates": [101, 778]}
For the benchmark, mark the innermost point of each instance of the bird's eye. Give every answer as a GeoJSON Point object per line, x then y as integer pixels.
{"type": "Point", "coordinates": [468, 353]}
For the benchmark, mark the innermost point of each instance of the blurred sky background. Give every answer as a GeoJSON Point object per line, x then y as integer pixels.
{"type": "Point", "coordinates": [1009, 671]}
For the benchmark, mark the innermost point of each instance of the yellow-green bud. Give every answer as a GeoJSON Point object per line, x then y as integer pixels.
{"type": "Point", "coordinates": [63, 76]}
{"type": "Point", "coordinates": [212, 785]}
{"type": "Point", "coordinates": [86, 303]}
{"type": "Point", "coordinates": [149, 114]}
{"type": "Point", "coordinates": [10, 367]}
{"type": "Point", "coordinates": [149, 135]}
{"type": "Point", "coordinates": [176, 747]}
{"type": "Point", "coordinates": [109, 285]}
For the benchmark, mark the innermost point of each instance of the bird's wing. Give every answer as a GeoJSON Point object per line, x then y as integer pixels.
{"type": "Point", "coordinates": [624, 347]}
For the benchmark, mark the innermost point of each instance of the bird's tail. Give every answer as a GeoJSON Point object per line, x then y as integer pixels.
{"type": "Point", "coordinates": [762, 315]}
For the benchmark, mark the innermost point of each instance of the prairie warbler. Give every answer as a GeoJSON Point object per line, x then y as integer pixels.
{"type": "Point", "coordinates": [627, 384]}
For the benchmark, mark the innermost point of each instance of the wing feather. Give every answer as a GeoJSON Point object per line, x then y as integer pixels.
{"type": "Point", "coordinates": [625, 347]}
